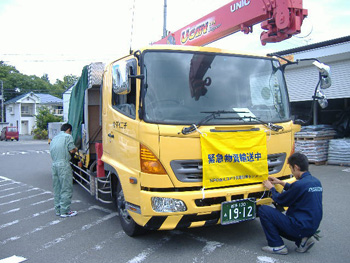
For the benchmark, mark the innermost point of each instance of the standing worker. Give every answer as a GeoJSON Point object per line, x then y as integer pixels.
{"type": "Point", "coordinates": [61, 148]}
{"type": "Point", "coordinates": [303, 217]}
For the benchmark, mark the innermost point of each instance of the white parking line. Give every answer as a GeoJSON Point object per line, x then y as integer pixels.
{"type": "Point", "coordinates": [25, 198]}
{"type": "Point", "coordinates": [3, 178]}
{"type": "Point", "coordinates": [98, 246]}
{"type": "Point", "coordinates": [265, 259]}
{"type": "Point", "coordinates": [9, 224]}
{"type": "Point", "coordinates": [11, 211]}
{"type": "Point", "coordinates": [74, 232]}
{"type": "Point", "coordinates": [13, 259]}
{"type": "Point", "coordinates": [12, 153]}
{"type": "Point", "coordinates": [210, 246]}
{"type": "Point", "coordinates": [150, 250]}
{"type": "Point", "coordinates": [54, 222]}
{"type": "Point", "coordinates": [27, 218]}
{"type": "Point", "coordinates": [45, 201]}
{"type": "Point", "coordinates": [8, 189]}
{"type": "Point", "coordinates": [16, 193]}
{"type": "Point", "coordinates": [1, 185]}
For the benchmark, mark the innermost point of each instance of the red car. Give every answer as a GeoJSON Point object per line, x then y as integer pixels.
{"type": "Point", "coordinates": [9, 133]}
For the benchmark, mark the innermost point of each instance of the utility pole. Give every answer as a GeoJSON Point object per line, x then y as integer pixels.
{"type": "Point", "coordinates": [2, 101]}
{"type": "Point", "coordinates": [164, 24]}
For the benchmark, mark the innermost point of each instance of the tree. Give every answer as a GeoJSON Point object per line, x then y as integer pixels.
{"type": "Point", "coordinates": [44, 116]}
{"type": "Point", "coordinates": [45, 78]}
{"type": "Point", "coordinates": [61, 86]}
{"type": "Point", "coordinates": [42, 119]}
{"type": "Point", "coordinates": [5, 70]}
{"type": "Point", "coordinates": [16, 83]}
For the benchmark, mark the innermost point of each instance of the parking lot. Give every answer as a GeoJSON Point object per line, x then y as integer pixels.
{"type": "Point", "coordinates": [30, 230]}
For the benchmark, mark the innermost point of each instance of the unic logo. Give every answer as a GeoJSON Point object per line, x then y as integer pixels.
{"type": "Point", "coordinates": [199, 30]}
{"type": "Point", "coordinates": [194, 32]}
{"type": "Point", "coordinates": [234, 7]}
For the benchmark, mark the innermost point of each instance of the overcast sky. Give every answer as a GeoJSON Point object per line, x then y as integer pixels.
{"type": "Point", "coordinates": [59, 37]}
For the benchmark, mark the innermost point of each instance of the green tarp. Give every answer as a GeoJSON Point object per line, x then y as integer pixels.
{"type": "Point", "coordinates": [76, 106]}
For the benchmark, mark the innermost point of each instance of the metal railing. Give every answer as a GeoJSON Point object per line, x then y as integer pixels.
{"type": "Point", "coordinates": [96, 186]}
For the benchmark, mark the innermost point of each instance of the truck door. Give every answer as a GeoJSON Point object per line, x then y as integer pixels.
{"type": "Point", "coordinates": [121, 144]}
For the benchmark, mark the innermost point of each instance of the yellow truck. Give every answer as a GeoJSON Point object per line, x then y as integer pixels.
{"type": "Point", "coordinates": [141, 121]}
{"type": "Point", "coordinates": [179, 136]}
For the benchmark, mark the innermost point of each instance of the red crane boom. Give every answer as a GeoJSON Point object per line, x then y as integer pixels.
{"type": "Point", "coordinates": [280, 18]}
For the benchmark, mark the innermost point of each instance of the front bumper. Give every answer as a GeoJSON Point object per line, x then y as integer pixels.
{"type": "Point", "coordinates": [203, 206]}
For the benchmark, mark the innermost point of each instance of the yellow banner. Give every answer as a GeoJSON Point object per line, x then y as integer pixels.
{"type": "Point", "coordinates": [234, 158]}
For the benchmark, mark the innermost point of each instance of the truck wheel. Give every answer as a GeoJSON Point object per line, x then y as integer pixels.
{"type": "Point", "coordinates": [130, 227]}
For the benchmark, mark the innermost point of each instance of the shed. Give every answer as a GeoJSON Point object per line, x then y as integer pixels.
{"type": "Point", "coordinates": [302, 79]}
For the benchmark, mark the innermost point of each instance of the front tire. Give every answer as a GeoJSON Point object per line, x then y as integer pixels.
{"type": "Point", "coordinates": [130, 227]}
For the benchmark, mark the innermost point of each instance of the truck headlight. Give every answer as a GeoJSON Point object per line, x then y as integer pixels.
{"type": "Point", "coordinates": [162, 204]}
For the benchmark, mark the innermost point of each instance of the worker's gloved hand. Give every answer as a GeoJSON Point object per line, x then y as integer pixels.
{"type": "Point", "coordinates": [267, 184]}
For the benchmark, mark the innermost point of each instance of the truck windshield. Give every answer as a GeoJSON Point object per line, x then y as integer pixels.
{"type": "Point", "coordinates": [182, 87]}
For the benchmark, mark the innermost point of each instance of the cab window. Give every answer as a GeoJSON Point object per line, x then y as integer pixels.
{"type": "Point", "coordinates": [126, 103]}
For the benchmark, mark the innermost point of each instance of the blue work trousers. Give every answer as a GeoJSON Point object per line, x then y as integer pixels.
{"type": "Point", "coordinates": [276, 225]}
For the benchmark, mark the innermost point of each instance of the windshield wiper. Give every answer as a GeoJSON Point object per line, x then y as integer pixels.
{"type": "Point", "coordinates": [216, 115]}
{"type": "Point", "coordinates": [212, 115]}
{"type": "Point", "coordinates": [269, 125]}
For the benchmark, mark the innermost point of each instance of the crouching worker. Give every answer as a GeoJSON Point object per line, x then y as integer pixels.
{"type": "Point", "coordinates": [61, 148]}
{"type": "Point", "coordinates": [302, 219]}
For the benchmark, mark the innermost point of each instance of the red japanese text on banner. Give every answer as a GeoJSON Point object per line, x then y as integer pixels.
{"type": "Point", "coordinates": [234, 158]}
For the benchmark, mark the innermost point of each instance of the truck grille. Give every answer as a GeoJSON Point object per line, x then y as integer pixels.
{"type": "Point", "coordinates": [190, 171]}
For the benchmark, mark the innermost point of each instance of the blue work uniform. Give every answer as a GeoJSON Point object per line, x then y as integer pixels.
{"type": "Point", "coordinates": [60, 148]}
{"type": "Point", "coordinates": [303, 217]}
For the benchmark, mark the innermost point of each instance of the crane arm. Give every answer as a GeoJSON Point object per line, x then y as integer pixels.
{"type": "Point", "coordinates": [281, 19]}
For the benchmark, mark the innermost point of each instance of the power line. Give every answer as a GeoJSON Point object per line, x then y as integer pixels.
{"type": "Point", "coordinates": [56, 60]}
{"type": "Point", "coordinates": [28, 57]}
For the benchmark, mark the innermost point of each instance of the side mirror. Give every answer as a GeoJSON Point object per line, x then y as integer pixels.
{"type": "Point", "coordinates": [326, 82]}
{"type": "Point", "coordinates": [322, 99]}
{"type": "Point", "coordinates": [120, 72]}
{"type": "Point", "coordinates": [325, 78]}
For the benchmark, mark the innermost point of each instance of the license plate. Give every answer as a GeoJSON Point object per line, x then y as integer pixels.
{"type": "Point", "coordinates": [237, 211]}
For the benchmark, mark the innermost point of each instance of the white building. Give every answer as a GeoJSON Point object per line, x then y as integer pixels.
{"type": "Point", "coordinates": [302, 79]}
{"type": "Point", "coordinates": [66, 98]}
{"type": "Point", "coordinates": [21, 111]}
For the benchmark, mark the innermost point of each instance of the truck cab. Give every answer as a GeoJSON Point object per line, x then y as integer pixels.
{"type": "Point", "coordinates": [157, 102]}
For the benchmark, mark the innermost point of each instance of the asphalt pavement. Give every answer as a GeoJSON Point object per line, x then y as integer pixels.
{"type": "Point", "coordinates": [29, 229]}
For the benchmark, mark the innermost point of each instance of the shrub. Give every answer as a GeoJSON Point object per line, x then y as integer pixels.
{"type": "Point", "coordinates": [44, 117]}
{"type": "Point", "coordinates": [40, 134]}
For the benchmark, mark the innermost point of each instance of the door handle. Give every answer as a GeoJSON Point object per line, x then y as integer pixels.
{"type": "Point", "coordinates": [111, 135]}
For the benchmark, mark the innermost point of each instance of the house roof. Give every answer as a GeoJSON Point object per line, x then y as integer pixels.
{"type": "Point", "coordinates": [313, 46]}
{"type": "Point", "coordinates": [15, 99]}
{"type": "Point", "coordinates": [48, 99]}
{"type": "Point", "coordinates": [43, 98]}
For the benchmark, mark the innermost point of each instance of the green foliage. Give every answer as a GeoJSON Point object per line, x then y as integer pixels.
{"type": "Point", "coordinates": [40, 134]}
{"type": "Point", "coordinates": [45, 78]}
{"type": "Point", "coordinates": [44, 116]}
{"type": "Point", "coordinates": [16, 83]}
{"type": "Point", "coordinates": [61, 86]}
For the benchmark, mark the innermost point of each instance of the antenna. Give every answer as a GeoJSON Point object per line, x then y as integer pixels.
{"type": "Point", "coordinates": [2, 101]}
{"type": "Point", "coordinates": [132, 25]}
{"type": "Point", "coordinates": [165, 15]}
